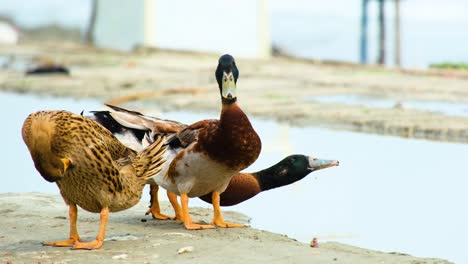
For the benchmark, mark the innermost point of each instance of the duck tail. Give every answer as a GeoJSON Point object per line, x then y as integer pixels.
{"type": "Point", "coordinates": [149, 162]}
{"type": "Point", "coordinates": [38, 132]}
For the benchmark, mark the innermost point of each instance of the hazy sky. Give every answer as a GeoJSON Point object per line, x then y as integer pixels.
{"type": "Point", "coordinates": [75, 12]}
{"type": "Point", "coordinates": [432, 30]}
{"type": "Point", "coordinates": [412, 9]}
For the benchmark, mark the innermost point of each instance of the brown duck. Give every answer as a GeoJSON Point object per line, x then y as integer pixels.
{"type": "Point", "coordinates": [91, 167]}
{"type": "Point", "coordinates": [203, 157]}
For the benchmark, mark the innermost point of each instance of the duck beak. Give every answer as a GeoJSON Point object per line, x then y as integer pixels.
{"type": "Point", "coordinates": [318, 164]}
{"type": "Point", "coordinates": [228, 86]}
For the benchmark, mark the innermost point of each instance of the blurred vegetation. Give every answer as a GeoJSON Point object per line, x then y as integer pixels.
{"type": "Point", "coordinates": [53, 32]}
{"type": "Point", "coordinates": [450, 66]}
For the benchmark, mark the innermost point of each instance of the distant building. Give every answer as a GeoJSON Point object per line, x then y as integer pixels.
{"type": "Point", "coordinates": [240, 27]}
{"type": "Point", "coordinates": [8, 34]}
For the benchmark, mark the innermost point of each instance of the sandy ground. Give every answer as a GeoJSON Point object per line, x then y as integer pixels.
{"type": "Point", "coordinates": [279, 88]}
{"type": "Point", "coordinates": [31, 218]}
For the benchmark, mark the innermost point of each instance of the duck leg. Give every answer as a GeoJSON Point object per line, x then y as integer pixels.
{"type": "Point", "coordinates": [155, 209]}
{"type": "Point", "coordinates": [101, 234]}
{"type": "Point", "coordinates": [218, 217]}
{"type": "Point", "coordinates": [175, 204]}
{"type": "Point", "coordinates": [186, 215]}
{"type": "Point", "coordinates": [74, 237]}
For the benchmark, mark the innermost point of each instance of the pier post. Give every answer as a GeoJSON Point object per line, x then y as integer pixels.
{"type": "Point", "coordinates": [363, 40]}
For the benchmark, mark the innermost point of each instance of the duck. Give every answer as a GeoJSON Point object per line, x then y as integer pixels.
{"type": "Point", "coordinates": [292, 168]}
{"type": "Point", "coordinates": [91, 167]}
{"type": "Point", "coordinates": [204, 156]}
{"type": "Point", "coordinates": [137, 130]}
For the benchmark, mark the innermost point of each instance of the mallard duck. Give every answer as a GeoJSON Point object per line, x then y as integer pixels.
{"type": "Point", "coordinates": [90, 166]}
{"type": "Point", "coordinates": [137, 130]}
{"type": "Point", "coordinates": [246, 185]}
{"type": "Point", "coordinates": [203, 157]}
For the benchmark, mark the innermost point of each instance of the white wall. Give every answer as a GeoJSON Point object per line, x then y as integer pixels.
{"type": "Point", "coordinates": [211, 25]}
{"type": "Point", "coordinates": [119, 24]}
{"type": "Point", "coordinates": [218, 26]}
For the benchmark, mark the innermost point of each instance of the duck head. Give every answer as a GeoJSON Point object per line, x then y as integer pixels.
{"type": "Point", "coordinates": [226, 76]}
{"type": "Point", "coordinates": [291, 169]}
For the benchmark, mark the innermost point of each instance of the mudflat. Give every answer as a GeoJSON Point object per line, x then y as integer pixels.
{"type": "Point", "coordinates": [28, 219]}
{"type": "Point", "coordinates": [280, 88]}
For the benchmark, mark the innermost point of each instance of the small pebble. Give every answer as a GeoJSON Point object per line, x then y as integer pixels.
{"type": "Point", "coordinates": [185, 249]}
{"type": "Point", "coordinates": [178, 234]}
{"type": "Point", "coordinates": [121, 256]}
{"type": "Point", "coordinates": [314, 243]}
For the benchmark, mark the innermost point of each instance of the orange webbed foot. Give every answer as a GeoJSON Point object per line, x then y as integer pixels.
{"type": "Point", "coordinates": [221, 223]}
{"type": "Point", "coordinates": [218, 217]}
{"type": "Point", "coordinates": [193, 226]}
{"type": "Point", "coordinates": [157, 215]}
{"type": "Point", "coordinates": [62, 243]}
{"type": "Point", "coordinates": [189, 225]}
{"type": "Point", "coordinates": [101, 234]}
{"type": "Point", "coordinates": [155, 209]}
{"type": "Point", "coordinates": [88, 245]}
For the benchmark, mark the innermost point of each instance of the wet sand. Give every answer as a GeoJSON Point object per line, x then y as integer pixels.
{"type": "Point", "coordinates": [31, 218]}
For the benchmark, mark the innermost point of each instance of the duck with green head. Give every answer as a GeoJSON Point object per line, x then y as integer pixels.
{"type": "Point", "coordinates": [291, 169]}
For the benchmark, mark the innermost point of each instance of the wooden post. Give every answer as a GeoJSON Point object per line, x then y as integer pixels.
{"type": "Point", "coordinates": [89, 36]}
{"type": "Point", "coordinates": [149, 28]}
{"type": "Point", "coordinates": [263, 29]}
{"type": "Point", "coordinates": [381, 56]}
{"type": "Point", "coordinates": [363, 41]}
{"type": "Point", "coordinates": [397, 35]}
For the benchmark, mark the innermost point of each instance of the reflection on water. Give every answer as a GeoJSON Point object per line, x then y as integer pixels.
{"type": "Point", "coordinates": [446, 108]}
{"type": "Point", "coordinates": [14, 62]}
{"type": "Point", "coordinates": [388, 194]}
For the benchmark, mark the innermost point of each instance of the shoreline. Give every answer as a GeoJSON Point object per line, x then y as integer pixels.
{"type": "Point", "coordinates": [276, 89]}
{"type": "Point", "coordinates": [31, 218]}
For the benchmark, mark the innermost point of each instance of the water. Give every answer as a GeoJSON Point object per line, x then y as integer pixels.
{"type": "Point", "coordinates": [446, 108]}
{"type": "Point", "coordinates": [388, 193]}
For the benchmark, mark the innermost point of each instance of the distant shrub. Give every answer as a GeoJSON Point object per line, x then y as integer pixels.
{"type": "Point", "coordinates": [450, 66]}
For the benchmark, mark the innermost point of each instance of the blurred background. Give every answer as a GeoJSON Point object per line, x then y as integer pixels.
{"type": "Point", "coordinates": [380, 85]}
{"type": "Point", "coordinates": [429, 32]}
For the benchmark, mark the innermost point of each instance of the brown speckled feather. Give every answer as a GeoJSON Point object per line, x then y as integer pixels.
{"type": "Point", "coordinates": [102, 173]}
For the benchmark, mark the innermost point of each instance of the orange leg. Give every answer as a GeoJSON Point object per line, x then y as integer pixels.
{"type": "Point", "coordinates": [101, 234]}
{"type": "Point", "coordinates": [187, 220]}
{"type": "Point", "coordinates": [218, 217]}
{"type": "Point", "coordinates": [74, 237]}
{"type": "Point", "coordinates": [175, 204]}
{"type": "Point", "coordinates": [155, 209]}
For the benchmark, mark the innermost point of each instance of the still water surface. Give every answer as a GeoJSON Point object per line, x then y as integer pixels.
{"type": "Point", "coordinates": [446, 108]}
{"type": "Point", "coordinates": [388, 194]}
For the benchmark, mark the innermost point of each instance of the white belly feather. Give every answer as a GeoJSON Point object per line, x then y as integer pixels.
{"type": "Point", "coordinates": [197, 175]}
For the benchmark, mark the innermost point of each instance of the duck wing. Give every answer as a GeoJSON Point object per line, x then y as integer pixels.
{"type": "Point", "coordinates": [190, 134]}
{"type": "Point", "coordinates": [134, 129]}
